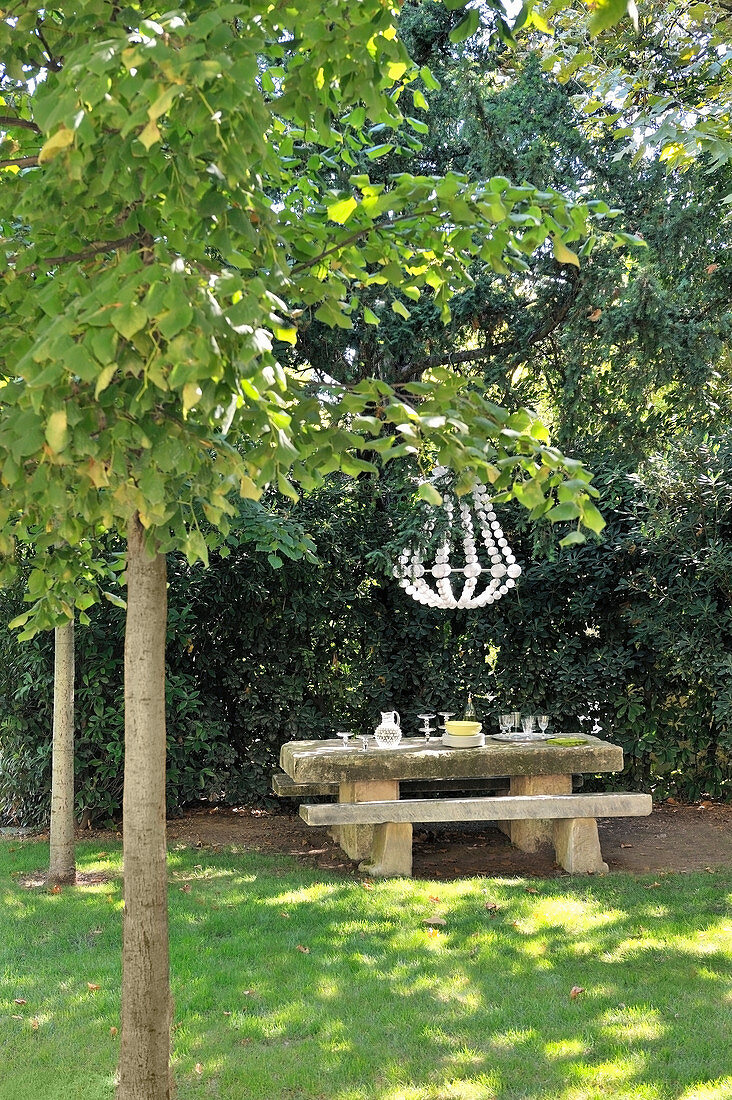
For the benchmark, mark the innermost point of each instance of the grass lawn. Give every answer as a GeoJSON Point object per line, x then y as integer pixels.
{"type": "Point", "coordinates": [290, 985]}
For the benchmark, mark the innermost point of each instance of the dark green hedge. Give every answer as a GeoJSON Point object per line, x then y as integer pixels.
{"type": "Point", "coordinates": [631, 635]}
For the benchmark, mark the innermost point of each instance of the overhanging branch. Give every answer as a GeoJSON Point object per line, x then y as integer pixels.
{"type": "Point", "coordinates": [23, 123]}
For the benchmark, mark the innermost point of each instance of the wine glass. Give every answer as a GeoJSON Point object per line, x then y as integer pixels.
{"type": "Point", "coordinates": [345, 734]}
{"type": "Point", "coordinates": [505, 722]}
{"type": "Point", "coordinates": [445, 714]}
{"type": "Point", "coordinates": [516, 720]}
{"type": "Point", "coordinates": [543, 722]}
{"type": "Point", "coordinates": [527, 723]}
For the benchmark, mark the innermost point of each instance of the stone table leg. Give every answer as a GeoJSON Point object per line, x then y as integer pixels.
{"type": "Point", "coordinates": [530, 835]}
{"type": "Point", "coordinates": [577, 845]}
{"type": "Point", "coordinates": [391, 854]}
{"type": "Point", "coordinates": [357, 840]}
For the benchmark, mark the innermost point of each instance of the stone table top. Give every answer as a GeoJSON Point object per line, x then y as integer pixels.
{"type": "Point", "coordinates": [329, 762]}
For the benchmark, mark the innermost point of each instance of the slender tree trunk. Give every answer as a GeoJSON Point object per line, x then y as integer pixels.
{"type": "Point", "coordinates": [144, 1064]}
{"type": "Point", "coordinates": [62, 863]}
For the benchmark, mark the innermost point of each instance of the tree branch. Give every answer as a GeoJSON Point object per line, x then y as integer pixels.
{"type": "Point", "coordinates": [85, 253]}
{"type": "Point", "coordinates": [53, 62]}
{"type": "Point", "coordinates": [20, 162]}
{"type": "Point", "coordinates": [358, 233]}
{"type": "Point", "coordinates": [24, 123]}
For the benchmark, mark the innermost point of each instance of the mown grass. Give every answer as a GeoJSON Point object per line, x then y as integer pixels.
{"type": "Point", "coordinates": [292, 985]}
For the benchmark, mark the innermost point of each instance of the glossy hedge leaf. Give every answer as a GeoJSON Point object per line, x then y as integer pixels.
{"type": "Point", "coordinates": [466, 27]}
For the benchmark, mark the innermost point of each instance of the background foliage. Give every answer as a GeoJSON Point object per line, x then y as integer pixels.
{"type": "Point", "coordinates": [627, 358]}
{"type": "Point", "coordinates": [632, 634]}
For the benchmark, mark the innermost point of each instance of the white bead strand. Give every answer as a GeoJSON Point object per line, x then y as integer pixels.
{"type": "Point", "coordinates": [503, 570]}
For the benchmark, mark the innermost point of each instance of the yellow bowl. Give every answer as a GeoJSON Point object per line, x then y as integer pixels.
{"type": "Point", "coordinates": [463, 729]}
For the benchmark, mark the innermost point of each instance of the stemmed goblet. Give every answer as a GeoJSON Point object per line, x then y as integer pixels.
{"type": "Point", "coordinates": [345, 734]}
{"type": "Point", "coordinates": [445, 714]}
{"type": "Point", "coordinates": [543, 722]}
{"type": "Point", "coordinates": [426, 730]}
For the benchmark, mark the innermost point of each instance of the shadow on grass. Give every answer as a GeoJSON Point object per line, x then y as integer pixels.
{"type": "Point", "coordinates": [298, 986]}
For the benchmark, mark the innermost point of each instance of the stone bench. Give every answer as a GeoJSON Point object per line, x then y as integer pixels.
{"type": "Point", "coordinates": [572, 817]}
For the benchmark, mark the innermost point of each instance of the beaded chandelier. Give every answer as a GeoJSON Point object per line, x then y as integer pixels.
{"type": "Point", "coordinates": [503, 570]}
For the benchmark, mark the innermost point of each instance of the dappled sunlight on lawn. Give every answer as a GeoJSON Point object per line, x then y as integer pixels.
{"type": "Point", "coordinates": [289, 984]}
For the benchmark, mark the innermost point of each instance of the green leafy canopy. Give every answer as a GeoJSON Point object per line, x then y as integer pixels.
{"type": "Point", "coordinates": [171, 203]}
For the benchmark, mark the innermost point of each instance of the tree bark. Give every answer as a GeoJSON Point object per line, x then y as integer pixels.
{"type": "Point", "coordinates": [144, 1064]}
{"type": "Point", "coordinates": [62, 861]}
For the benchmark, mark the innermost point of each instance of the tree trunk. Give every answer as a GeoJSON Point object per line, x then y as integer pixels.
{"type": "Point", "coordinates": [62, 862]}
{"type": "Point", "coordinates": [144, 1063]}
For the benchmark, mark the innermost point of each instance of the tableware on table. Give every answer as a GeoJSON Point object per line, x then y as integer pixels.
{"type": "Point", "coordinates": [364, 741]}
{"type": "Point", "coordinates": [518, 738]}
{"type": "Point", "coordinates": [463, 741]}
{"type": "Point", "coordinates": [445, 714]}
{"type": "Point", "coordinates": [388, 733]}
{"type": "Point", "coordinates": [516, 720]}
{"type": "Point", "coordinates": [345, 734]}
{"type": "Point", "coordinates": [542, 722]}
{"type": "Point", "coordinates": [426, 730]}
{"type": "Point", "coordinates": [463, 729]}
{"type": "Point", "coordinates": [505, 723]}
{"type": "Point", "coordinates": [527, 723]}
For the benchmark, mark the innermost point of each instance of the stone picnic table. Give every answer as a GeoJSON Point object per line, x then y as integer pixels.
{"type": "Point", "coordinates": [540, 806]}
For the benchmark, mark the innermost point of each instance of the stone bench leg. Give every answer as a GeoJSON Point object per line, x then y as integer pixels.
{"type": "Point", "coordinates": [357, 840]}
{"type": "Point", "coordinates": [391, 853]}
{"type": "Point", "coordinates": [531, 834]}
{"type": "Point", "coordinates": [577, 845]}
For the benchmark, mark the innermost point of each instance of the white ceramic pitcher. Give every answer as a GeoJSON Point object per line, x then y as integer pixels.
{"type": "Point", "coordinates": [388, 733]}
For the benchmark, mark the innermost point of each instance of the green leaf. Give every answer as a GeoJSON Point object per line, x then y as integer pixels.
{"type": "Point", "coordinates": [591, 517]}
{"type": "Point", "coordinates": [341, 211]}
{"type": "Point", "coordinates": [60, 140]}
{"type": "Point", "coordinates": [428, 492]}
{"type": "Point", "coordinates": [566, 511]}
{"type": "Point", "coordinates": [376, 151]}
{"type": "Point", "coordinates": [129, 319]}
{"type": "Point", "coordinates": [56, 433]}
{"type": "Point", "coordinates": [562, 254]}
{"type": "Point", "coordinates": [401, 309]}
{"type": "Point", "coordinates": [370, 317]}
{"type": "Point", "coordinates": [466, 27]}
{"type": "Point", "coordinates": [105, 377]}
{"type": "Point", "coordinates": [287, 334]}
{"type": "Point", "coordinates": [574, 538]}
{"type": "Point", "coordinates": [606, 13]}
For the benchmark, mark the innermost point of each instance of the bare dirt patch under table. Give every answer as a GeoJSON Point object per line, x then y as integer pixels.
{"type": "Point", "coordinates": [674, 838]}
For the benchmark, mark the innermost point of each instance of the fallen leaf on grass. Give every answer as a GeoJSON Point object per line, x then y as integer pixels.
{"type": "Point", "coordinates": [305, 950]}
{"type": "Point", "coordinates": [652, 886]}
{"type": "Point", "coordinates": [367, 885]}
{"type": "Point", "coordinates": [186, 888]}
{"type": "Point", "coordinates": [35, 1024]}
{"type": "Point", "coordinates": [199, 1067]}
{"type": "Point", "coordinates": [432, 932]}
{"type": "Point", "coordinates": [284, 913]}
{"type": "Point", "coordinates": [92, 987]}
{"type": "Point", "coordinates": [248, 993]}
{"type": "Point", "coordinates": [113, 1031]}
{"type": "Point", "coordinates": [575, 991]}
{"type": "Point", "coordinates": [595, 315]}
{"type": "Point", "coordinates": [20, 1001]}
{"type": "Point", "coordinates": [434, 899]}
{"type": "Point", "coordinates": [55, 890]}
{"type": "Point", "coordinates": [16, 1017]}
{"type": "Point", "coordinates": [491, 907]}
{"type": "Point", "coordinates": [531, 890]}
{"type": "Point", "coordinates": [435, 921]}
